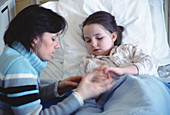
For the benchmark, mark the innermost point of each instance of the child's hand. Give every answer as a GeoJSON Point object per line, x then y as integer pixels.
{"type": "Point", "coordinates": [111, 71]}
{"type": "Point", "coordinates": [118, 71]}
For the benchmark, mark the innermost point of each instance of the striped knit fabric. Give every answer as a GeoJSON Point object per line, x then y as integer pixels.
{"type": "Point", "coordinates": [18, 80]}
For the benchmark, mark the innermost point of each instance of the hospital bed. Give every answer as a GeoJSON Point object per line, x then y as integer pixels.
{"type": "Point", "coordinates": [144, 22]}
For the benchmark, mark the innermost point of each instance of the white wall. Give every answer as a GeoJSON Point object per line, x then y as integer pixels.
{"type": "Point", "coordinates": [7, 12]}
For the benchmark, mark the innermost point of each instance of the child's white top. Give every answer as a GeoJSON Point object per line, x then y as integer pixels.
{"type": "Point", "coordinates": [121, 56]}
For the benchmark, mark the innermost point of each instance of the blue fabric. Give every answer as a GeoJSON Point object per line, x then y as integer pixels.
{"type": "Point", "coordinates": [47, 105]}
{"type": "Point", "coordinates": [131, 95]}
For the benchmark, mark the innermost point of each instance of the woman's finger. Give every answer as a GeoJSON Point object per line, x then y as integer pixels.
{"type": "Point", "coordinates": [108, 86]}
{"type": "Point", "coordinates": [75, 78]}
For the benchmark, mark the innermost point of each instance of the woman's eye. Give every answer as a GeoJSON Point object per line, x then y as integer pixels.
{"type": "Point", "coordinates": [53, 39]}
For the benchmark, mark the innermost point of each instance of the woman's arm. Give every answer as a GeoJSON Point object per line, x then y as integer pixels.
{"type": "Point", "coordinates": [85, 90]}
{"type": "Point", "coordinates": [22, 91]}
{"type": "Point", "coordinates": [48, 92]}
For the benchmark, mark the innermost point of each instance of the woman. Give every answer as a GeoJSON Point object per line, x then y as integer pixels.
{"type": "Point", "coordinates": [31, 39]}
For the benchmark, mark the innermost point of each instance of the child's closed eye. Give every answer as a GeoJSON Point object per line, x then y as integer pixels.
{"type": "Point", "coordinates": [99, 38]}
{"type": "Point", "coordinates": [88, 41]}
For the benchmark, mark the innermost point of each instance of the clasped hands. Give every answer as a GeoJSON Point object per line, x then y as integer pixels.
{"type": "Point", "coordinates": [89, 86]}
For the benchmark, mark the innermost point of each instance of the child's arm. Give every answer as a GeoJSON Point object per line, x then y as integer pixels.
{"type": "Point", "coordinates": [131, 60]}
{"type": "Point", "coordinates": [144, 63]}
{"type": "Point", "coordinates": [118, 71]}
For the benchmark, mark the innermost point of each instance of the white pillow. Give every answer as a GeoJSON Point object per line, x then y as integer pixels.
{"type": "Point", "coordinates": [154, 41]}
{"type": "Point", "coordinates": [132, 15]}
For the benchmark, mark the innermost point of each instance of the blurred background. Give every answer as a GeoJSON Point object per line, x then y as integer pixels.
{"type": "Point", "coordinates": [20, 4]}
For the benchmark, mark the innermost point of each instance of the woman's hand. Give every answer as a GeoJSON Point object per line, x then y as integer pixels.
{"type": "Point", "coordinates": [99, 75]}
{"type": "Point", "coordinates": [90, 89]}
{"type": "Point", "coordinates": [68, 84]}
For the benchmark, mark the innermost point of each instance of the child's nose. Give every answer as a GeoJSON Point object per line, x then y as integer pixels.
{"type": "Point", "coordinates": [94, 43]}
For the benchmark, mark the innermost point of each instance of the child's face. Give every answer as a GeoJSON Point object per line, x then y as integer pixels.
{"type": "Point", "coordinates": [98, 40]}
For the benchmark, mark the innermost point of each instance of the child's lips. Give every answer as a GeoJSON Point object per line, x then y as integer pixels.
{"type": "Point", "coordinates": [96, 50]}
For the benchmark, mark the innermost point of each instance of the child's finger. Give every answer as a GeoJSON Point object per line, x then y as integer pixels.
{"type": "Point", "coordinates": [107, 86]}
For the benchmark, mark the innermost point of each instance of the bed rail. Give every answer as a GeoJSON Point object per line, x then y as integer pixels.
{"type": "Point", "coordinates": [167, 18]}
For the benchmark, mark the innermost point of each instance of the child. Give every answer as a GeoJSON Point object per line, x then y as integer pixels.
{"type": "Point", "coordinates": [103, 40]}
{"type": "Point", "coordinates": [130, 94]}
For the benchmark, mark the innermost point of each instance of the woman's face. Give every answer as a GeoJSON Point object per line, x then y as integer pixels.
{"type": "Point", "coordinates": [45, 46]}
{"type": "Point", "coordinates": [98, 40]}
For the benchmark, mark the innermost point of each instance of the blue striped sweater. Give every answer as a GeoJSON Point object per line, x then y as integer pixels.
{"type": "Point", "coordinates": [19, 84]}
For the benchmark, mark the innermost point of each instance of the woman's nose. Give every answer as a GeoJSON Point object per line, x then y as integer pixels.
{"type": "Point", "coordinates": [57, 44]}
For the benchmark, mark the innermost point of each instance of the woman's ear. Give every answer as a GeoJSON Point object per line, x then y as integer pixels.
{"type": "Point", "coordinates": [114, 36]}
{"type": "Point", "coordinates": [35, 44]}
{"type": "Point", "coordinates": [35, 41]}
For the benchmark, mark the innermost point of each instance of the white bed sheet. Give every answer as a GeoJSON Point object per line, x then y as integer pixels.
{"type": "Point", "coordinates": [143, 21]}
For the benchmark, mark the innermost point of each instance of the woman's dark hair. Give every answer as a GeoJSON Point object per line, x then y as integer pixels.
{"type": "Point", "coordinates": [107, 21]}
{"type": "Point", "coordinates": [32, 22]}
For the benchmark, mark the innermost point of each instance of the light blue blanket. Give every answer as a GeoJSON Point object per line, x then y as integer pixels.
{"type": "Point", "coordinates": [131, 95]}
